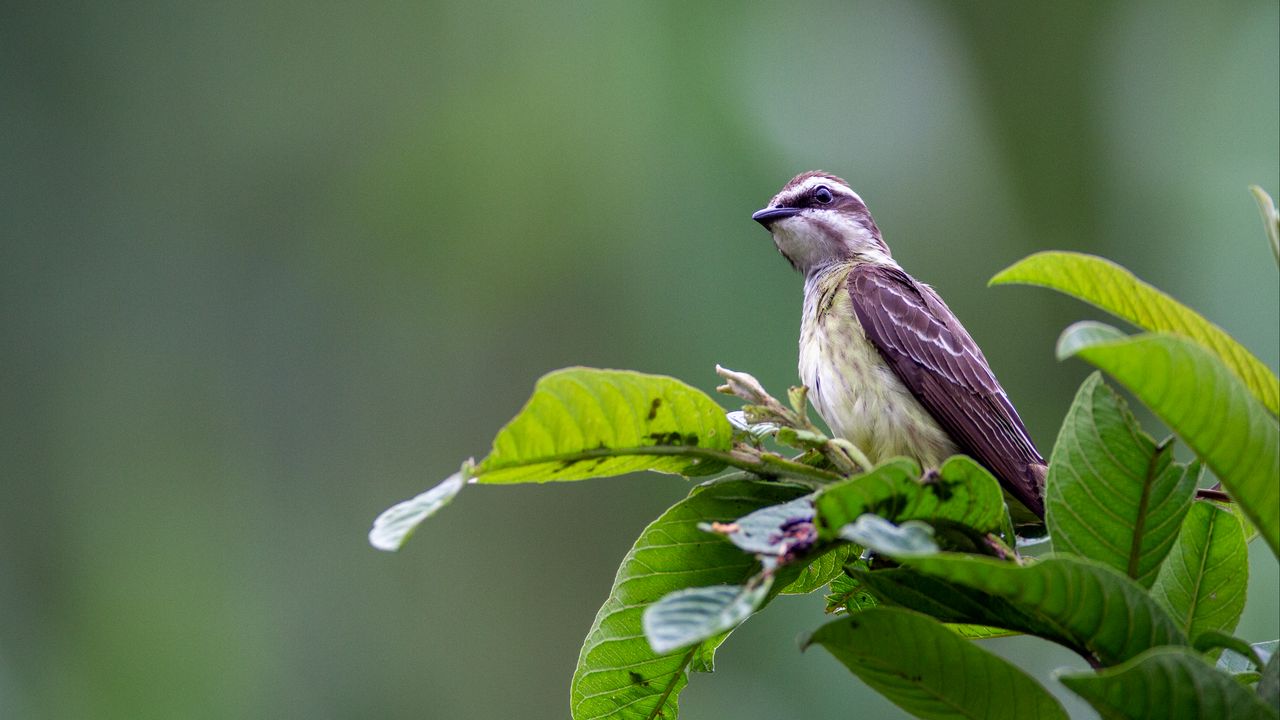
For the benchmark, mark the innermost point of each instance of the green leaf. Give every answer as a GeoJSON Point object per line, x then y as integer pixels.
{"type": "Point", "coordinates": [585, 423]}
{"type": "Point", "coordinates": [949, 602]}
{"type": "Point", "coordinates": [961, 608]}
{"type": "Point", "coordinates": [1205, 404]}
{"type": "Point", "coordinates": [910, 539]}
{"type": "Point", "coordinates": [394, 526]}
{"type": "Point", "coordinates": [961, 493]}
{"type": "Point", "coordinates": [1270, 219]}
{"type": "Point", "coordinates": [848, 595]}
{"type": "Point", "coordinates": [692, 615]}
{"type": "Point", "coordinates": [1112, 494]}
{"type": "Point", "coordinates": [1083, 605]}
{"type": "Point", "coordinates": [1167, 683]}
{"type": "Point", "coordinates": [1114, 289]}
{"type": "Point", "coordinates": [926, 595]}
{"type": "Point", "coordinates": [618, 674]}
{"type": "Point", "coordinates": [930, 671]}
{"type": "Point", "coordinates": [823, 569]}
{"type": "Point", "coordinates": [1203, 581]}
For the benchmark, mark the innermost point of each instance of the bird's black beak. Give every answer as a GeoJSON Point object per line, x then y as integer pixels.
{"type": "Point", "coordinates": [767, 216]}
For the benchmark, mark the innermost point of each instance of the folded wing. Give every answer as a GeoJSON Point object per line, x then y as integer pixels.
{"type": "Point", "coordinates": [921, 339]}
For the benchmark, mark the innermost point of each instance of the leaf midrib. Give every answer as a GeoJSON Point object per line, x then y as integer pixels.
{"type": "Point", "coordinates": [1140, 523]}
{"type": "Point", "coordinates": [1198, 579]}
{"type": "Point", "coordinates": [675, 678]}
{"type": "Point", "coordinates": [787, 468]}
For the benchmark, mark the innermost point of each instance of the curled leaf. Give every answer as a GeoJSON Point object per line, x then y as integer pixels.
{"type": "Point", "coordinates": [394, 526]}
{"type": "Point", "coordinates": [689, 616]}
{"type": "Point", "coordinates": [1109, 286]}
{"type": "Point", "coordinates": [910, 539]}
{"type": "Point", "coordinates": [1270, 219]}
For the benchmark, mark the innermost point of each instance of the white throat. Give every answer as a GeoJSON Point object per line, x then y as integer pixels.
{"type": "Point", "coordinates": [816, 239]}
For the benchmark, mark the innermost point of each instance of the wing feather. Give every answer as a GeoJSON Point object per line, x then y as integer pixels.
{"type": "Point", "coordinates": [936, 359]}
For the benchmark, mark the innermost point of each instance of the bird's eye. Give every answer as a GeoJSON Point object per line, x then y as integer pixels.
{"type": "Point", "coordinates": [823, 195]}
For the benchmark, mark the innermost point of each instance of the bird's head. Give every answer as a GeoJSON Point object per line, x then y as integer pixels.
{"type": "Point", "coordinates": [817, 219]}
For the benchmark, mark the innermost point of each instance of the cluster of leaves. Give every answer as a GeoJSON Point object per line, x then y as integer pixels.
{"type": "Point", "coordinates": [1144, 581]}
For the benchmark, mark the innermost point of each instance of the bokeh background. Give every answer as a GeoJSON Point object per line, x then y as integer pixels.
{"type": "Point", "coordinates": [268, 268]}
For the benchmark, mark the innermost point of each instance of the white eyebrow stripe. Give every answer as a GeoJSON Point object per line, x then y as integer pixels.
{"type": "Point", "coordinates": [810, 184]}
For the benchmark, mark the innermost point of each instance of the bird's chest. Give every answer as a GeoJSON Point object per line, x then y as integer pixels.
{"type": "Point", "coordinates": [854, 390]}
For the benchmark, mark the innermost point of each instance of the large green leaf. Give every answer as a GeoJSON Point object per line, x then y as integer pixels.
{"type": "Point", "coordinates": [1084, 605]}
{"type": "Point", "coordinates": [949, 602]}
{"type": "Point", "coordinates": [1189, 389]}
{"type": "Point", "coordinates": [1109, 286]}
{"type": "Point", "coordinates": [1167, 683]}
{"type": "Point", "coordinates": [962, 493]}
{"type": "Point", "coordinates": [586, 423]}
{"type": "Point", "coordinates": [932, 672]}
{"type": "Point", "coordinates": [913, 591]}
{"type": "Point", "coordinates": [1112, 494]}
{"type": "Point", "coordinates": [1203, 581]}
{"type": "Point", "coordinates": [619, 675]}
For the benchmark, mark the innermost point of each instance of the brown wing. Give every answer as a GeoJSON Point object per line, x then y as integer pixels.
{"type": "Point", "coordinates": [931, 352]}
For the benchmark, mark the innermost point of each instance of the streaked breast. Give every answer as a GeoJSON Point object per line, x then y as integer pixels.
{"type": "Point", "coordinates": [855, 392]}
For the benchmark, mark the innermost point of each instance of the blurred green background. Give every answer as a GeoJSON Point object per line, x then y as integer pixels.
{"type": "Point", "coordinates": [269, 268]}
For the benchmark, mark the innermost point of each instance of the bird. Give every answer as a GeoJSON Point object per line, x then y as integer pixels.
{"type": "Point", "coordinates": [887, 365]}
